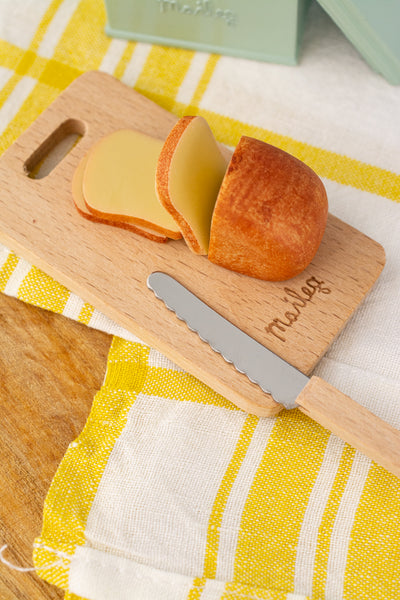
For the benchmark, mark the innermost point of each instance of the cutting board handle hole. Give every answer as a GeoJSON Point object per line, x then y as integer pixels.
{"type": "Point", "coordinates": [54, 148]}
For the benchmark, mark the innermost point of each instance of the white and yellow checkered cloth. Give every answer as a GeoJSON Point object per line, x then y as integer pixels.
{"type": "Point", "coordinates": [170, 492]}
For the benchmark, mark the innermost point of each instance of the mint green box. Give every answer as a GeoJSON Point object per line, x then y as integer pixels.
{"type": "Point", "coordinates": [266, 30]}
{"type": "Point", "coordinates": [373, 27]}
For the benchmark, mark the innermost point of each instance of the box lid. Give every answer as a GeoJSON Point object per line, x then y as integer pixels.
{"type": "Point", "coordinates": [373, 27]}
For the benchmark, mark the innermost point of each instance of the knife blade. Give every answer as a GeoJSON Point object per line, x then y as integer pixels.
{"type": "Point", "coordinates": [321, 401]}
{"type": "Point", "coordinates": [275, 376]}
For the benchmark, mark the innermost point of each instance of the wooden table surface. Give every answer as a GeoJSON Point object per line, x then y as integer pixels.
{"type": "Point", "coordinates": [50, 369]}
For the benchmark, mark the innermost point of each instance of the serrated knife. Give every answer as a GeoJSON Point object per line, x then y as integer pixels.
{"type": "Point", "coordinates": [315, 397]}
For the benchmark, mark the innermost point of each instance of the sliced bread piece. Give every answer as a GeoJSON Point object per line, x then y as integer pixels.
{"type": "Point", "coordinates": [189, 173]}
{"type": "Point", "coordinates": [118, 182]}
{"type": "Point", "coordinates": [80, 205]}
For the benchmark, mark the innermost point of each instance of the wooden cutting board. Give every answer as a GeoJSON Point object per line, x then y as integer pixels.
{"type": "Point", "coordinates": [108, 267]}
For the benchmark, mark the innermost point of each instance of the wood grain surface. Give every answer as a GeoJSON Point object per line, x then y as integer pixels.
{"type": "Point", "coordinates": [108, 267]}
{"type": "Point", "coordinates": [51, 368]}
{"type": "Point", "coordinates": [353, 423]}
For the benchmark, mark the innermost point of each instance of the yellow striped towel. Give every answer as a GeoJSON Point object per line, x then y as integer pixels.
{"type": "Point", "coordinates": [171, 492]}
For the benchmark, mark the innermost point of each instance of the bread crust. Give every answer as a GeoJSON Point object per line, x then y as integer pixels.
{"type": "Point", "coordinates": [270, 214]}
{"type": "Point", "coordinates": [162, 181]}
{"type": "Point", "coordinates": [105, 214]}
{"type": "Point", "coordinates": [112, 218]}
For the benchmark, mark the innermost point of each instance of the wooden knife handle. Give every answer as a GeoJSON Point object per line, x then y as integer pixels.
{"type": "Point", "coordinates": [352, 423]}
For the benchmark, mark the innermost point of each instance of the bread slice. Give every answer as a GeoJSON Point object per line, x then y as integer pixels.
{"type": "Point", "coordinates": [118, 182]}
{"type": "Point", "coordinates": [189, 173]}
{"type": "Point", "coordinates": [79, 201]}
{"type": "Point", "coordinates": [270, 215]}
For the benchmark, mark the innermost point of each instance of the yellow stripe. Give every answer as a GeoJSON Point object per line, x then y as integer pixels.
{"type": "Point", "coordinates": [167, 383]}
{"type": "Point", "coordinates": [203, 83]}
{"type": "Point", "coordinates": [373, 562]}
{"type": "Point", "coordinates": [334, 166]}
{"type": "Point", "coordinates": [123, 351]}
{"type": "Point", "coordinates": [8, 88]}
{"type": "Point", "coordinates": [58, 75]}
{"type": "Point", "coordinates": [86, 313]}
{"type": "Point", "coordinates": [69, 596]}
{"type": "Point", "coordinates": [7, 270]}
{"type": "Point", "coordinates": [197, 588]}
{"type": "Point", "coordinates": [328, 521]}
{"type": "Point", "coordinates": [44, 23]}
{"type": "Point", "coordinates": [238, 591]}
{"type": "Point", "coordinates": [217, 513]}
{"type": "Point", "coordinates": [162, 75]}
{"type": "Point", "coordinates": [10, 55]}
{"type": "Point", "coordinates": [278, 498]}
{"type": "Point", "coordinates": [41, 290]}
{"type": "Point", "coordinates": [82, 467]}
{"type": "Point", "coordinates": [33, 65]}
{"type": "Point", "coordinates": [83, 44]}
{"type": "Point", "coordinates": [124, 60]}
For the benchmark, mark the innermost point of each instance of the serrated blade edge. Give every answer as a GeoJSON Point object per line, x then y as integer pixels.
{"type": "Point", "coordinates": [264, 368]}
